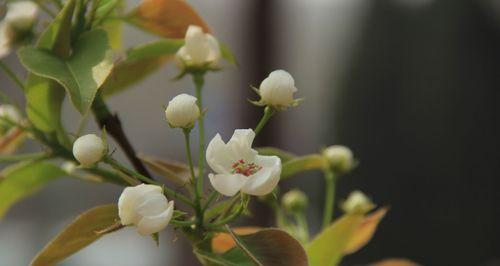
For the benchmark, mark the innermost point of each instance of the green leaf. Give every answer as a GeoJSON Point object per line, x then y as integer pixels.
{"type": "Point", "coordinates": [24, 179]}
{"type": "Point", "coordinates": [81, 74]}
{"type": "Point", "coordinates": [139, 62]}
{"type": "Point", "coordinates": [327, 248]}
{"type": "Point", "coordinates": [228, 55]}
{"type": "Point", "coordinates": [84, 230]}
{"type": "Point", "coordinates": [43, 96]}
{"type": "Point", "coordinates": [270, 247]}
{"type": "Point", "coordinates": [269, 151]}
{"type": "Point", "coordinates": [301, 164]}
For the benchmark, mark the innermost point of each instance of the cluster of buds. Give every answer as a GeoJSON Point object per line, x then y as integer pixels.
{"type": "Point", "coordinates": [16, 25]}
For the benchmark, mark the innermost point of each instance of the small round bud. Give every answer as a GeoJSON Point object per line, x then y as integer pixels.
{"type": "Point", "coordinates": [69, 167]}
{"type": "Point", "coordinates": [277, 89]}
{"type": "Point", "coordinates": [294, 201]}
{"type": "Point", "coordinates": [340, 158]}
{"type": "Point", "coordinates": [10, 113]}
{"type": "Point", "coordinates": [200, 49]}
{"type": "Point", "coordinates": [182, 111]}
{"type": "Point", "coordinates": [89, 149]}
{"type": "Point", "coordinates": [357, 202]}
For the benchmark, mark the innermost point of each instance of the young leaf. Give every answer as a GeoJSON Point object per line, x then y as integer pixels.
{"type": "Point", "coordinates": [139, 62]}
{"type": "Point", "coordinates": [228, 54]}
{"type": "Point", "coordinates": [222, 242]}
{"type": "Point", "coordinates": [43, 96]}
{"type": "Point", "coordinates": [173, 171]}
{"type": "Point", "coordinates": [167, 18]}
{"type": "Point", "coordinates": [303, 163]}
{"type": "Point", "coordinates": [269, 151]}
{"type": "Point", "coordinates": [394, 262]}
{"type": "Point", "coordinates": [84, 230]}
{"type": "Point", "coordinates": [24, 179]}
{"type": "Point", "coordinates": [81, 74]}
{"type": "Point", "coordinates": [365, 231]}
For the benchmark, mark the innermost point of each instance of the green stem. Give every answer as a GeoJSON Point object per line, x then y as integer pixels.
{"type": "Point", "coordinates": [12, 75]}
{"type": "Point", "coordinates": [211, 198]}
{"type": "Point", "coordinates": [199, 81]}
{"type": "Point", "coordinates": [169, 192]}
{"type": "Point", "coordinates": [303, 232]}
{"type": "Point", "coordinates": [268, 113]}
{"type": "Point", "coordinates": [182, 223]}
{"type": "Point", "coordinates": [228, 219]}
{"type": "Point", "coordinates": [189, 157]}
{"type": "Point", "coordinates": [329, 197]}
{"type": "Point", "coordinates": [46, 9]}
{"type": "Point", "coordinates": [22, 157]}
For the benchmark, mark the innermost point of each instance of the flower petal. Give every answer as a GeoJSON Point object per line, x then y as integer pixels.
{"type": "Point", "coordinates": [265, 180]}
{"type": "Point", "coordinates": [152, 204]}
{"type": "Point", "coordinates": [240, 145]}
{"type": "Point", "coordinates": [129, 199]}
{"type": "Point", "coordinates": [227, 184]}
{"type": "Point", "coordinates": [152, 224]}
{"type": "Point", "coordinates": [218, 156]}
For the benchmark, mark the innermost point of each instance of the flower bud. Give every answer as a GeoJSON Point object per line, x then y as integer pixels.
{"type": "Point", "coordinates": [357, 202]}
{"type": "Point", "coordinates": [11, 114]}
{"type": "Point", "coordinates": [340, 158]}
{"type": "Point", "coordinates": [146, 207]}
{"type": "Point", "coordinates": [88, 149]}
{"type": "Point", "coordinates": [294, 201]}
{"type": "Point", "coordinates": [5, 39]}
{"type": "Point", "coordinates": [199, 50]}
{"type": "Point", "coordinates": [277, 89]}
{"type": "Point", "coordinates": [182, 111]}
{"type": "Point", "coordinates": [21, 15]}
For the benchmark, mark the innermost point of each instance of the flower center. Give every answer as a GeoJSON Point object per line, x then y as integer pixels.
{"type": "Point", "coordinates": [246, 169]}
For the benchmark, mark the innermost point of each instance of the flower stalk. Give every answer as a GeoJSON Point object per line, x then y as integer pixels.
{"type": "Point", "coordinates": [329, 197]}
{"type": "Point", "coordinates": [268, 113]}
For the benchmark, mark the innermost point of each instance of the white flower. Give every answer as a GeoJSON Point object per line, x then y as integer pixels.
{"type": "Point", "coordinates": [199, 48]}
{"type": "Point", "coordinates": [340, 158]}
{"type": "Point", "coordinates": [88, 149]}
{"type": "Point", "coordinates": [357, 202]}
{"type": "Point", "coordinates": [277, 89]}
{"type": "Point", "coordinates": [21, 14]}
{"type": "Point", "coordinates": [146, 207]}
{"type": "Point", "coordinates": [182, 111]}
{"type": "Point", "coordinates": [10, 112]}
{"type": "Point", "coordinates": [239, 167]}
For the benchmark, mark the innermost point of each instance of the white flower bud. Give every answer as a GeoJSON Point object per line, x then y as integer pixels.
{"type": "Point", "coordinates": [182, 111]}
{"type": "Point", "coordinates": [5, 39]}
{"type": "Point", "coordinates": [21, 15]}
{"type": "Point", "coordinates": [277, 89]}
{"type": "Point", "coordinates": [199, 49]}
{"type": "Point", "coordinates": [340, 158]}
{"type": "Point", "coordinates": [9, 112]}
{"type": "Point", "coordinates": [88, 149]}
{"type": "Point", "coordinates": [357, 202]}
{"type": "Point", "coordinates": [146, 207]}
{"type": "Point", "coordinates": [294, 201]}
{"type": "Point", "coordinates": [69, 167]}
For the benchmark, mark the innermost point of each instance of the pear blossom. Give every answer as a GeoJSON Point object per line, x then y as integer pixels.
{"type": "Point", "coordinates": [340, 158]}
{"type": "Point", "coordinates": [199, 49]}
{"type": "Point", "coordinates": [238, 167]}
{"type": "Point", "coordinates": [277, 89]}
{"type": "Point", "coordinates": [357, 201]}
{"type": "Point", "coordinates": [146, 207]}
{"type": "Point", "coordinates": [88, 149]}
{"type": "Point", "coordinates": [182, 111]}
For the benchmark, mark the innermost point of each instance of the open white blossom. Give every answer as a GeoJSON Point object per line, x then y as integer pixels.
{"type": "Point", "coordinates": [239, 167]}
{"type": "Point", "coordinates": [146, 207]}
{"type": "Point", "coordinates": [88, 149]}
{"type": "Point", "coordinates": [277, 89]}
{"type": "Point", "coordinates": [199, 48]}
{"type": "Point", "coordinates": [340, 158]}
{"type": "Point", "coordinates": [357, 202]}
{"type": "Point", "coordinates": [21, 14]}
{"type": "Point", "coordinates": [182, 111]}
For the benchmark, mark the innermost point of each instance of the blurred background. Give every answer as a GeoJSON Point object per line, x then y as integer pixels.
{"type": "Point", "coordinates": [412, 86]}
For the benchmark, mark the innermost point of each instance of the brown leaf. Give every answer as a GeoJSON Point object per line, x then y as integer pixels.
{"type": "Point", "coordinates": [365, 231]}
{"type": "Point", "coordinates": [223, 242]}
{"type": "Point", "coordinates": [395, 262]}
{"type": "Point", "coordinates": [168, 18]}
{"type": "Point", "coordinates": [174, 171]}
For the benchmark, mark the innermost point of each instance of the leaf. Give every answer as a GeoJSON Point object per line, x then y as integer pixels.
{"type": "Point", "coordinates": [24, 179]}
{"type": "Point", "coordinates": [300, 164]}
{"type": "Point", "coordinates": [80, 233]}
{"type": "Point", "coordinates": [227, 54]}
{"type": "Point", "coordinates": [222, 242]}
{"type": "Point", "coordinates": [269, 151]}
{"type": "Point", "coordinates": [395, 262]}
{"type": "Point", "coordinates": [139, 62]}
{"type": "Point", "coordinates": [270, 247]}
{"type": "Point", "coordinates": [167, 18]}
{"type": "Point", "coordinates": [326, 249]}
{"type": "Point", "coordinates": [81, 74]}
{"type": "Point", "coordinates": [43, 96]}
{"type": "Point", "coordinates": [365, 231]}
{"type": "Point", "coordinates": [176, 172]}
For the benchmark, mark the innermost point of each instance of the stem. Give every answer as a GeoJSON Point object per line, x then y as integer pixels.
{"type": "Point", "coordinates": [22, 157]}
{"type": "Point", "coordinates": [113, 126]}
{"type": "Point", "coordinates": [242, 246]}
{"type": "Point", "coordinates": [189, 157]}
{"type": "Point", "coordinates": [11, 75]}
{"type": "Point", "coordinates": [46, 9]}
{"type": "Point", "coordinates": [329, 197]}
{"type": "Point", "coordinates": [228, 219]}
{"type": "Point", "coordinates": [169, 192]}
{"type": "Point", "coordinates": [211, 198]}
{"type": "Point", "coordinates": [268, 113]}
{"type": "Point", "coordinates": [199, 81]}
{"type": "Point", "coordinates": [303, 232]}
